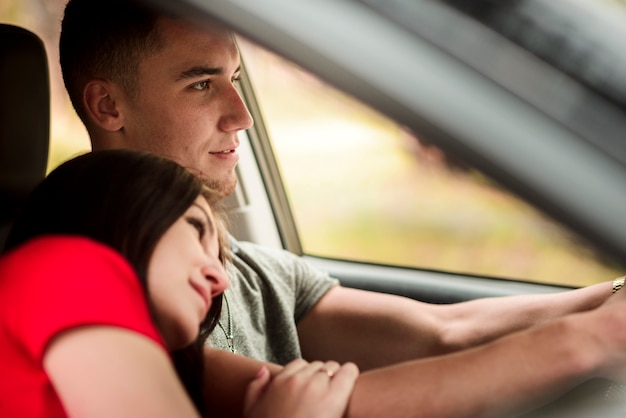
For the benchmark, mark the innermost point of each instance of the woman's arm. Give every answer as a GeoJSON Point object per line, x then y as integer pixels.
{"type": "Point", "coordinates": [104, 371]}
{"type": "Point", "coordinates": [301, 390]}
{"type": "Point", "coordinates": [235, 383]}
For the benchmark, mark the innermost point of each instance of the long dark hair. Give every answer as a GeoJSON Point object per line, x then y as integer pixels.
{"type": "Point", "coordinates": [126, 200]}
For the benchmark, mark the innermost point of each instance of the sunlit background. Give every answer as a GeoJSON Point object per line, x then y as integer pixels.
{"type": "Point", "coordinates": [361, 187]}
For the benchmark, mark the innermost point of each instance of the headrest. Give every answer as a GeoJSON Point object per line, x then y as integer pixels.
{"type": "Point", "coordinates": [24, 118]}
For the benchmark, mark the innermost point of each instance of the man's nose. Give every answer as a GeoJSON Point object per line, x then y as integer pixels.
{"type": "Point", "coordinates": [236, 116]}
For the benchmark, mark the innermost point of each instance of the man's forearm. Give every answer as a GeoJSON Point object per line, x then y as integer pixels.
{"type": "Point", "coordinates": [468, 324]}
{"type": "Point", "coordinates": [504, 378]}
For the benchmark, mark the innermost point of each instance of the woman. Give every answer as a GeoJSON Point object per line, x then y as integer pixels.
{"type": "Point", "coordinates": [90, 331]}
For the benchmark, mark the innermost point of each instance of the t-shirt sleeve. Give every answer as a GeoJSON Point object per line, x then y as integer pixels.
{"type": "Point", "coordinates": [307, 283]}
{"type": "Point", "coordinates": [58, 283]}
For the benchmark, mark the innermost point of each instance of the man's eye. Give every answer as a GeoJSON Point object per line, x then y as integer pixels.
{"type": "Point", "coordinates": [198, 224]}
{"type": "Point", "coordinates": [202, 85]}
{"type": "Point", "coordinates": [236, 79]}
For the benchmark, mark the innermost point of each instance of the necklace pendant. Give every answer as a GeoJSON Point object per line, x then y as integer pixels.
{"type": "Point", "coordinates": [231, 343]}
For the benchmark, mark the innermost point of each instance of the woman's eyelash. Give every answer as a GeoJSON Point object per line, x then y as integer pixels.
{"type": "Point", "coordinates": [198, 224]}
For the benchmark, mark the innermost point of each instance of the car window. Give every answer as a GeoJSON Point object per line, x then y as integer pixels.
{"type": "Point", "coordinates": [363, 188]}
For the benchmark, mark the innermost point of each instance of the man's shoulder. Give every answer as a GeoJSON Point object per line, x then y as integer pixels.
{"type": "Point", "coordinates": [256, 252]}
{"type": "Point", "coordinates": [274, 263]}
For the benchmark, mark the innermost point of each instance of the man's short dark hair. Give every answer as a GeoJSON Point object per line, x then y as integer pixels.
{"type": "Point", "coordinates": [105, 39]}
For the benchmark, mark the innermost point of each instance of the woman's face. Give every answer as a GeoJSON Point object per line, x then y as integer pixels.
{"type": "Point", "coordinates": [184, 274]}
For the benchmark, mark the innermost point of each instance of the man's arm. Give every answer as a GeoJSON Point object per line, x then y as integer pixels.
{"type": "Point", "coordinates": [510, 375]}
{"type": "Point", "coordinates": [374, 329]}
{"type": "Point", "coordinates": [507, 377]}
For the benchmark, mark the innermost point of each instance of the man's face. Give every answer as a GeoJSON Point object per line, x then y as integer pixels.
{"type": "Point", "coordinates": [187, 107]}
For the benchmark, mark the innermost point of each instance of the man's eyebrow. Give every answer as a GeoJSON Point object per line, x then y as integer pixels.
{"type": "Point", "coordinates": [196, 72]}
{"type": "Point", "coordinates": [209, 221]}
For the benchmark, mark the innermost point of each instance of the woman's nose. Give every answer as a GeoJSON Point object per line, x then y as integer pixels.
{"type": "Point", "coordinates": [217, 278]}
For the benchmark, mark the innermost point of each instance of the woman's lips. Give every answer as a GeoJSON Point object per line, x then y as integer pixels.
{"type": "Point", "coordinates": [204, 294]}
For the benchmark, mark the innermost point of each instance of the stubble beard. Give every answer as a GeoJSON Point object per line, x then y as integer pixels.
{"type": "Point", "coordinates": [224, 187]}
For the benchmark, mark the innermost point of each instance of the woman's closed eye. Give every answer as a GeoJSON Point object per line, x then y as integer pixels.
{"type": "Point", "coordinates": [198, 224]}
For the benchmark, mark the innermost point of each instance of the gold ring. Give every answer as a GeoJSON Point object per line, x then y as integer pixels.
{"type": "Point", "coordinates": [329, 373]}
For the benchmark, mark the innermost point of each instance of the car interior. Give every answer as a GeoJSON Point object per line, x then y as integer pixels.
{"type": "Point", "coordinates": [260, 209]}
{"type": "Point", "coordinates": [24, 119]}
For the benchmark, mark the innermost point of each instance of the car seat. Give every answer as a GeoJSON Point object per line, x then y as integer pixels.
{"type": "Point", "coordinates": [24, 119]}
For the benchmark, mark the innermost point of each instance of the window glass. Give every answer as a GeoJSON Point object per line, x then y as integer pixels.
{"type": "Point", "coordinates": [363, 188]}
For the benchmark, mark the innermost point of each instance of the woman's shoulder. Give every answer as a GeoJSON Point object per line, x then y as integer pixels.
{"type": "Point", "coordinates": [56, 283]}
{"type": "Point", "coordinates": [65, 267]}
{"type": "Point", "coordinates": [55, 248]}
{"type": "Point", "coordinates": [53, 254]}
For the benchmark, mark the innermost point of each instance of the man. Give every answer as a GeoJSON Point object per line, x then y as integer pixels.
{"type": "Point", "coordinates": [146, 81]}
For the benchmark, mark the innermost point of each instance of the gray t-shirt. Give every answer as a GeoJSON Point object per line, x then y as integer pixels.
{"type": "Point", "coordinates": [270, 291]}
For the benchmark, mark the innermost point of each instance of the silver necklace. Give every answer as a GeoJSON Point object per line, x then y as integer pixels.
{"type": "Point", "coordinates": [228, 333]}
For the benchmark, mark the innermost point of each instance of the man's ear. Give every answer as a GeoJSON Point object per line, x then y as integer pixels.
{"type": "Point", "coordinates": [100, 103]}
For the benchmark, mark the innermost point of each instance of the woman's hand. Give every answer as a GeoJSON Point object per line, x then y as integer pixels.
{"type": "Point", "coordinates": [301, 390]}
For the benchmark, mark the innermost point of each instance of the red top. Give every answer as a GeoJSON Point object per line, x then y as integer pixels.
{"type": "Point", "coordinates": [50, 285]}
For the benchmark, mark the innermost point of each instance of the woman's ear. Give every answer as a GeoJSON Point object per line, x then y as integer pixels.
{"type": "Point", "coordinates": [100, 104]}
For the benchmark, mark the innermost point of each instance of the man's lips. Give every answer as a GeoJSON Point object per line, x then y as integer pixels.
{"type": "Point", "coordinates": [226, 151]}
{"type": "Point", "coordinates": [230, 155]}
